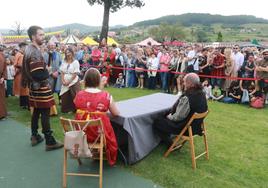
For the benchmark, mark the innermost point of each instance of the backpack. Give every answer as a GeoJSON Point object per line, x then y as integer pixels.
{"type": "Point", "coordinates": [118, 60]}
{"type": "Point", "coordinates": [257, 103]}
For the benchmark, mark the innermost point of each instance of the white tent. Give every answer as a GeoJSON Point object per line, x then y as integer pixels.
{"type": "Point", "coordinates": [71, 39]}
{"type": "Point", "coordinates": [145, 42]}
{"type": "Point", "coordinates": [53, 39]}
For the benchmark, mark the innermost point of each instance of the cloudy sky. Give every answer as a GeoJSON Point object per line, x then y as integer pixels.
{"type": "Point", "coordinates": [48, 13]}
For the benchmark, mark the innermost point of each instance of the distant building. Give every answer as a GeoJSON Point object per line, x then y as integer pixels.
{"type": "Point", "coordinates": [112, 34]}
{"type": "Point", "coordinates": [131, 33]}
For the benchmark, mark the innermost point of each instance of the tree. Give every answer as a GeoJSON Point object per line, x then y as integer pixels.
{"type": "Point", "coordinates": [219, 38]}
{"type": "Point", "coordinates": [17, 29]}
{"type": "Point", "coordinates": [167, 32]}
{"type": "Point", "coordinates": [192, 34]}
{"type": "Point", "coordinates": [201, 36]}
{"type": "Point", "coordinates": [113, 6]}
{"type": "Point", "coordinates": [68, 31]}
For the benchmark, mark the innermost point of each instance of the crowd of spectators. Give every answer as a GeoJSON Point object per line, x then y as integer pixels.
{"type": "Point", "coordinates": [160, 67]}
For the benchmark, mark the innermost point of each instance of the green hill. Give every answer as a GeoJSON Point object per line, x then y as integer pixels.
{"type": "Point", "coordinates": [71, 28]}
{"type": "Point", "coordinates": [233, 28]}
{"type": "Point", "coordinates": [190, 19]}
{"type": "Point", "coordinates": [75, 26]}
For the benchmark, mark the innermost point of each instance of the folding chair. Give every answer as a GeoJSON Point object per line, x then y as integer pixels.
{"type": "Point", "coordinates": [96, 146]}
{"type": "Point", "coordinates": [180, 139]}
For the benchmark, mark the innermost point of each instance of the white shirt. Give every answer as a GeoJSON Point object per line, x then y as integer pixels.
{"type": "Point", "coordinates": [239, 60]}
{"type": "Point", "coordinates": [159, 55]}
{"type": "Point", "coordinates": [194, 62]}
{"type": "Point", "coordinates": [70, 68]}
{"type": "Point", "coordinates": [10, 72]}
{"type": "Point", "coordinates": [153, 63]}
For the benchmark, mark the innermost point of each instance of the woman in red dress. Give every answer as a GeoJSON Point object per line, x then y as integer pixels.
{"type": "Point", "coordinates": [95, 100]}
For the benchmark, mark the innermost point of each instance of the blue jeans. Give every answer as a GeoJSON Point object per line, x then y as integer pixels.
{"type": "Point", "coordinates": [229, 100]}
{"type": "Point", "coordinates": [131, 78]}
{"type": "Point", "coordinates": [164, 80]}
{"type": "Point", "coordinates": [216, 81]}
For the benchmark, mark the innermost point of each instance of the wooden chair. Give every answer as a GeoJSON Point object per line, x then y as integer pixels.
{"type": "Point", "coordinates": [180, 139]}
{"type": "Point", "coordinates": [98, 146]}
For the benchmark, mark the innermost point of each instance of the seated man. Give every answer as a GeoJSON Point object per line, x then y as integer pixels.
{"type": "Point", "coordinates": [192, 100]}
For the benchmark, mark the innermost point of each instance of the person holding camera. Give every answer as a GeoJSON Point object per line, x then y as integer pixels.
{"type": "Point", "coordinates": [193, 60]}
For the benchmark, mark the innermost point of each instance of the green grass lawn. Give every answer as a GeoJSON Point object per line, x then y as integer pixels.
{"type": "Point", "coordinates": [237, 139]}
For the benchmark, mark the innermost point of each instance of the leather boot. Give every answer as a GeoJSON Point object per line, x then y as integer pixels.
{"type": "Point", "coordinates": [36, 139]}
{"type": "Point", "coordinates": [51, 143]}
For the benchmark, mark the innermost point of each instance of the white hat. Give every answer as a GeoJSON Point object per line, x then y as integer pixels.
{"type": "Point", "coordinates": [51, 43]}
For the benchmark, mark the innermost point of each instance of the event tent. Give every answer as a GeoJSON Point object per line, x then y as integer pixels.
{"type": "Point", "coordinates": [111, 41]}
{"type": "Point", "coordinates": [254, 41]}
{"type": "Point", "coordinates": [89, 41]}
{"type": "Point", "coordinates": [71, 39]}
{"type": "Point", "coordinates": [146, 41]}
{"type": "Point", "coordinates": [15, 39]}
{"type": "Point", "coordinates": [53, 39]}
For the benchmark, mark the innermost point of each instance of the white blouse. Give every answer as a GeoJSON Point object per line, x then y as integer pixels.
{"type": "Point", "coordinates": [68, 69]}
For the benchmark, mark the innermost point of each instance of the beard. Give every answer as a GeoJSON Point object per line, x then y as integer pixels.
{"type": "Point", "coordinates": [39, 41]}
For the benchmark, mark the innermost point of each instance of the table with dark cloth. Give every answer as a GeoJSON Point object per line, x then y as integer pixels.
{"type": "Point", "coordinates": [136, 119]}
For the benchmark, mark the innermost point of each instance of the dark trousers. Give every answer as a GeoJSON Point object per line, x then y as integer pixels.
{"type": "Point", "coordinates": [9, 87]}
{"type": "Point", "coordinates": [216, 81]}
{"type": "Point", "coordinates": [24, 101]}
{"type": "Point", "coordinates": [164, 128]}
{"type": "Point", "coordinates": [263, 86]}
{"type": "Point", "coordinates": [164, 80]}
{"type": "Point", "coordinates": [151, 82]}
{"type": "Point", "coordinates": [44, 112]}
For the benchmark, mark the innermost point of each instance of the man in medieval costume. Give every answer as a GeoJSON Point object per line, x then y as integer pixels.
{"type": "Point", "coordinates": [3, 74]}
{"type": "Point", "coordinates": [35, 76]}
